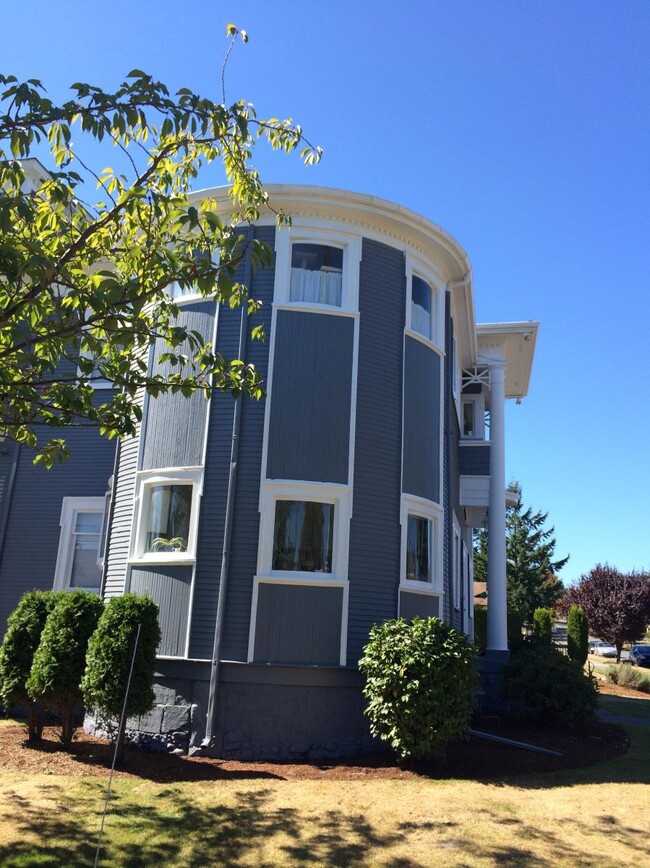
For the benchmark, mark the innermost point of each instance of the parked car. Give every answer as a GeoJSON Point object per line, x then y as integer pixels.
{"type": "Point", "coordinates": [640, 655]}
{"type": "Point", "coordinates": [603, 649]}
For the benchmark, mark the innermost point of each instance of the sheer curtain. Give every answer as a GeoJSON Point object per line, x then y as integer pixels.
{"type": "Point", "coordinates": [322, 287]}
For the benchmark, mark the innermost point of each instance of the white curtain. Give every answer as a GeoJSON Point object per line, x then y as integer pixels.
{"type": "Point", "coordinates": [420, 320]}
{"type": "Point", "coordinates": [322, 287]}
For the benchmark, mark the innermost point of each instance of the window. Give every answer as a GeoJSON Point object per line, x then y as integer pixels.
{"type": "Point", "coordinates": [472, 421]}
{"type": "Point", "coordinates": [304, 531]}
{"type": "Point", "coordinates": [78, 562]}
{"type": "Point", "coordinates": [167, 514]}
{"type": "Point", "coordinates": [421, 544]}
{"type": "Point", "coordinates": [316, 274]}
{"type": "Point", "coordinates": [303, 536]}
{"type": "Point", "coordinates": [418, 549]}
{"type": "Point", "coordinates": [421, 307]}
{"type": "Point", "coordinates": [317, 270]}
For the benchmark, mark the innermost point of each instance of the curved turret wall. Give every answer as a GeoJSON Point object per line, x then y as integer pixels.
{"type": "Point", "coordinates": [342, 495]}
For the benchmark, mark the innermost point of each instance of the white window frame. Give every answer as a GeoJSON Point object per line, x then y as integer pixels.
{"type": "Point", "coordinates": [339, 496]}
{"type": "Point", "coordinates": [145, 480]}
{"type": "Point", "coordinates": [479, 416]}
{"type": "Point", "coordinates": [348, 242]}
{"type": "Point", "coordinates": [70, 508]}
{"type": "Point", "coordinates": [421, 508]}
{"type": "Point", "coordinates": [419, 268]}
{"type": "Point", "coordinates": [457, 564]}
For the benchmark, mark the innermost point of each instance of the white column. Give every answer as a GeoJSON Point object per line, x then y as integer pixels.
{"type": "Point", "coordinates": [497, 612]}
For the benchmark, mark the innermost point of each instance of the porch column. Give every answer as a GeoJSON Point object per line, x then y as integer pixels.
{"type": "Point", "coordinates": [497, 609]}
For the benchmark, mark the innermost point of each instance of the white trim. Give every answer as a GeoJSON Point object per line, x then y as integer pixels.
{"type": "Point", "coordinates": [305, 307]}
{"type": "Point", "coordinates": [303, 232]}
{"type": "Point", "coordinates": [70, 508]}
{"type": "Point", "coordinates": [457, 565]}
{"type": "Point", "coordinates": [427, 509]}
{"type": "Point", "coordinates": [479, 418]}
{"type": "Point", "coordinates": [145, 479]}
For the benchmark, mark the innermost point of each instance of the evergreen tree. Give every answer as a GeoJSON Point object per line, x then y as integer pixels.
{"type": "Point", "coordinates": [530, 569]}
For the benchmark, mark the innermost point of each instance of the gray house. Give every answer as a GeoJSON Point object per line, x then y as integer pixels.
{"type": "Point", "coordinates": [274, 534]}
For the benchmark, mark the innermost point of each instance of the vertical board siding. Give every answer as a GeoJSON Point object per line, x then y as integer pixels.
{"type": "Point", "coordinates": [175, 424]}
{"type": "Point", "coordinates": [32, 535]}
{"type": "Point", "coordinates": [421, 454]}
{"type": "Point", "coordinates": [309, 426]}
{"type": "Point", "coordinates": [297, 624]}
{"type": "Point", "coordinates": [243, 549]}
{"type": "Point", "coordinates": [418, 606]}
{"type": "Point", "coordinates": [169, 587]}
{"type": "Point", "coordinates": [375, 527]}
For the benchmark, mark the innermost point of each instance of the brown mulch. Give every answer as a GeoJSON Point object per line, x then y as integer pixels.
{"type": "Point", "coordinates": [617, 690]}
{"type": "Point", "coordinates": [474, 759]}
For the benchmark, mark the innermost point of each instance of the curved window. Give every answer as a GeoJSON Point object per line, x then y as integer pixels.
{"type": "Point", "coordinates": [421, 307]}
{"type": "Point", "coordinates": [316, 274]}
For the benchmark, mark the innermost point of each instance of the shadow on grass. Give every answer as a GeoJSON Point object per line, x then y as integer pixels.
{"type": "Point", "coordinates": [174, 831]}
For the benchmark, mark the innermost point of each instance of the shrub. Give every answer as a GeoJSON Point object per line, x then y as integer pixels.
{"type": "Point", "coordinates": [543, 624]}
{"type": "Point", "coordinates": [515, 629]}
{"type": "Point", "coordinates": [546, 687]}
{"type": "Point", "coordinates": [110, 652]}
{"type": "Point", "coordinates": [577, 635]}
{"type": "Point", "coordinates": [24, 628]}
{"type": "Point", "coordinates": [480, 628]}
{"type": "Point", "coordinates": [419, 678]}
{"type": "Point", "coordinates": [60, 658]}
{"type": "Point", "coordinates": [627, 676]}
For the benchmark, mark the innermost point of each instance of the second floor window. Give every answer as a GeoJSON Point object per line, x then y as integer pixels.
{"type": "Point", "coordinates": [316, 274]}
{"type": "Point", "coordinates": [421, 307]}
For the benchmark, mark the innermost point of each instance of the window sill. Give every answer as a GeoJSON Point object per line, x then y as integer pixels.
{"type": "Point", "coordinates": [296, 578]}
{"type": "Point", "coordinates": [423, 339]}
{"type": "Point", "coordinates": [420, 587]}
{"type": "Point", "coordinates": [314, 307]}
{"type": "Point", "coordinates": [163, 558]}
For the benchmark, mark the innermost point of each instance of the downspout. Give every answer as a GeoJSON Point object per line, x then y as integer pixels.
{"type": "Point", "coordinates": [230, 509]}
{"type": "Point", "coordinates": [9, 493]}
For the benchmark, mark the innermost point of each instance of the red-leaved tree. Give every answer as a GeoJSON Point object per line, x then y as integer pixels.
{"type": "Point", "coordinates": [617, 605]}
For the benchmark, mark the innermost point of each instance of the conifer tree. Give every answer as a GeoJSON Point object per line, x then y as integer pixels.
{"type": "Point", "coordinates": [530, 548]}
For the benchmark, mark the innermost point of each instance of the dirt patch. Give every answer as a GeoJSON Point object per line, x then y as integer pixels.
{"type": "Point", "coordinates": [473, 759]}
{"type": "Point", "coordinates": [616, 690]}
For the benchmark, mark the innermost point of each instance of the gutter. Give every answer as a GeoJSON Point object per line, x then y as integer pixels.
{"type": "Point", "coordinates": [210, 723]}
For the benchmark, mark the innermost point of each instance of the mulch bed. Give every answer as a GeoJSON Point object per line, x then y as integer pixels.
{"type": "Point", "coordinates": [472, 760]}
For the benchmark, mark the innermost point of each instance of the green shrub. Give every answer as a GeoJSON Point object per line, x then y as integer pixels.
{"type": "Point", "coordinates": [480, 628]}
{"type": "Point", "coordinates": [515, 629]}
{"type": "Point", "coordinates": [577, 635]}
{"type": "Point", "coordinates": [24, 628]}
{"type": "Point", "coordinates": [628, 676]}
{"type": "Point", "coordinates": [60, 658]}
{"type": "Point", "coordinates": [109, 656]}
{"type": "Point", "coordinates": [419, 678]}
{"type": "Point", "coordinates": [544, 686]}
{"type": "Point", "coordinates": [543, 624]}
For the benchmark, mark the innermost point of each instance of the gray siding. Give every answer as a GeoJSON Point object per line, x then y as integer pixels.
{"type": "Point", "coordinates": [32, 533]}
{"type": "Point", "coordinates": [297, 624]}
{"type": "Point", "coordinates": [175, 424]}
{"type": "Point", "coordinates": [474, 460]}
{"type": "Point", "coordinates": [243, 551]}
{"type": "Point", "coordinates": [169, 586]}
{"type": "Point", "coordinates": [374, 565]}
{"type": "Point", "coordinates": [421, 471]}
{"type": "Point", "coordinates": [418, 605]}
{"type": "Point", "coordinates": [309, 426]}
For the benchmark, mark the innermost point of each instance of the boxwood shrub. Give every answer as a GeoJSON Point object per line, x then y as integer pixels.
{"type": "Point", "coordinates": [577, 635]}
{"type": "Point", "coordinates": [419, 678]}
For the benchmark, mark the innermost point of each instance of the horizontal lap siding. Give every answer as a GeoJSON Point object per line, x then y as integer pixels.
{"type": "Point", "coordinates": [375, 528]}
{"type": "Point", "coordinates": [243, 549]}
{"type": "Point", "coordinates": [421, 473]}
{"type": "Point", "coordinates": [32, 534]}
{"type": "Point", "coordinates": [169, 587]}
{"type": "Point", "coordinates": [418, 605]}
{"type": "Point", "coordinates": [175, 424]}
{"type": "Point", "coordinates": [309, 426]}
{"type": "Point", "coordinates": [298, 625]}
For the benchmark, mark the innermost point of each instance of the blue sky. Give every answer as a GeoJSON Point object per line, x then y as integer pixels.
{"type": "Point", "coordinates": [522, 128]}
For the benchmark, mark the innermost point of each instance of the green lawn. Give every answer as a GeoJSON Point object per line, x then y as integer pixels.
{"type": "Point", "coordinates": [596, 816]}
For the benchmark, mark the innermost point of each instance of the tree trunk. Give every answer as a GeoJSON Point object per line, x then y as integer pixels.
{"type": "Point", "coordinates": [67, 723]}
